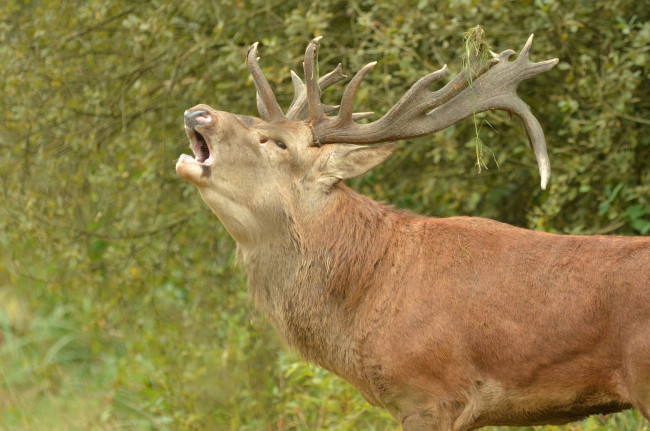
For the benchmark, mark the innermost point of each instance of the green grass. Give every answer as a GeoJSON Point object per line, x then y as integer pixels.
{"type": "Point", "coordinates": [66, 367]}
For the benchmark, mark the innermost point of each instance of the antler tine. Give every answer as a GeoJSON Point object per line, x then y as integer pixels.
{"type": "Point", "coordinates": [261, 109]}
{"type": "Point", "coordinates": [332, 78]}
{"type": "Point", "coordinates": [361, 115]}
{"type": "Point", "coordinates": [492, 85]}
{"type": "Point", "coordinates": [420, 96]}
{"type": "Point", "coordinates": [534, 68]}
{"type": "Point", "coordinates": [299, 109]}
{"type": "Point", "coordinates": [267, 104]}
{"type": "Point", "coordinates": [347, 101]}
{"type": "Point", "coordinates": [298, 105]}
{"type": "Point", "coordinates": [316, 113]}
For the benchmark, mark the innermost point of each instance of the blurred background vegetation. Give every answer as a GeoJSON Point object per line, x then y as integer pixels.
{"type": "Point", "coordinates": [120, 306]}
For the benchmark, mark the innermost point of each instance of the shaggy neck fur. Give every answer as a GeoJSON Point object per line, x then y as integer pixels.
{"type": "Point", "coordinates": [312, 281]}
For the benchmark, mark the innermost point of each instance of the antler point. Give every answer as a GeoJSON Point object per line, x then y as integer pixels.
{"type": "Point", "coordinates": [339, 69]}
{"type": "Point", "coordinates": [505, 55]}
{"type": "Point", "coordinates": [252, 50]}
{"type": "Point", "coordinates": [526, 48]}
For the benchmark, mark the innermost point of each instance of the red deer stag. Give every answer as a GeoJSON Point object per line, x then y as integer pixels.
{"type": "Point", "coordinates": [452, 323]}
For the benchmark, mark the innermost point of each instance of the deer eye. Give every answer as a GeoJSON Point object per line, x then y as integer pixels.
{"type": "Point", "coordinates": [264, 140]}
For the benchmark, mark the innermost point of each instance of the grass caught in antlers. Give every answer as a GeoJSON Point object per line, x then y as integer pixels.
{"type": "Point", "coordinates": [477, 53]}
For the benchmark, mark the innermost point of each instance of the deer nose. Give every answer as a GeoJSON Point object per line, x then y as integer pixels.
{"type": "Point", "coordinates": [196, 118]}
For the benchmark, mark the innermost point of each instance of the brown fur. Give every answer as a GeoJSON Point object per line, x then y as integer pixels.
{"type": "Point", "coordinates": [533, 325]}
{"type": "Point", "coordinates": [450, 324]}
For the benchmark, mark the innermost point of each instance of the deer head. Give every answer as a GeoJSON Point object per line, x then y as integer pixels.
{"type": "Point", "coordinates": [251, 171]}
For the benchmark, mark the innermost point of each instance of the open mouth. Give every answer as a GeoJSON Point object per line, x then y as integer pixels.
{"type": "Point", "coordinates": [203, 153]}
{"type": "Point", "coordinates": [200, 147]}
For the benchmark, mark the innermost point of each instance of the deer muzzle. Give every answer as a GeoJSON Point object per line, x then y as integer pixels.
{"type": "Point", "coordinates": [197, 118]}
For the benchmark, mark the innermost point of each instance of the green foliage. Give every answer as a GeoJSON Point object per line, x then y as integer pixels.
{"type": "Point", "coordinates": [120, 306]}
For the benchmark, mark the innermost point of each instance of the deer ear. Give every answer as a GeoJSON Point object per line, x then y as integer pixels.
{"type": "Point", "coordinates": [349, 161]}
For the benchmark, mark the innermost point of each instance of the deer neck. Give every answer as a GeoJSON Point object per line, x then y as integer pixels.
{"type": "Point", "coordinates": [310, 282]}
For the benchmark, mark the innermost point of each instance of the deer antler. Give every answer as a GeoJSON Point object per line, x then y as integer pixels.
{"type": "Point", "coordinates": [267, 105]}
{"type": "Point", "coordinates": [419, 112]}
{"type": "Point", "coordinates": [298, 109]}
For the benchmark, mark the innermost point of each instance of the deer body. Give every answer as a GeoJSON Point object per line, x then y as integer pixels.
{"type": "Point", "coordinates": [490, 324]}
{"type": "Point", "coordinates": [450, 324]}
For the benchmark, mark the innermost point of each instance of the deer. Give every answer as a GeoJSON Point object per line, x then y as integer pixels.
{"type": "Point", "coordinates": [448, 323]}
